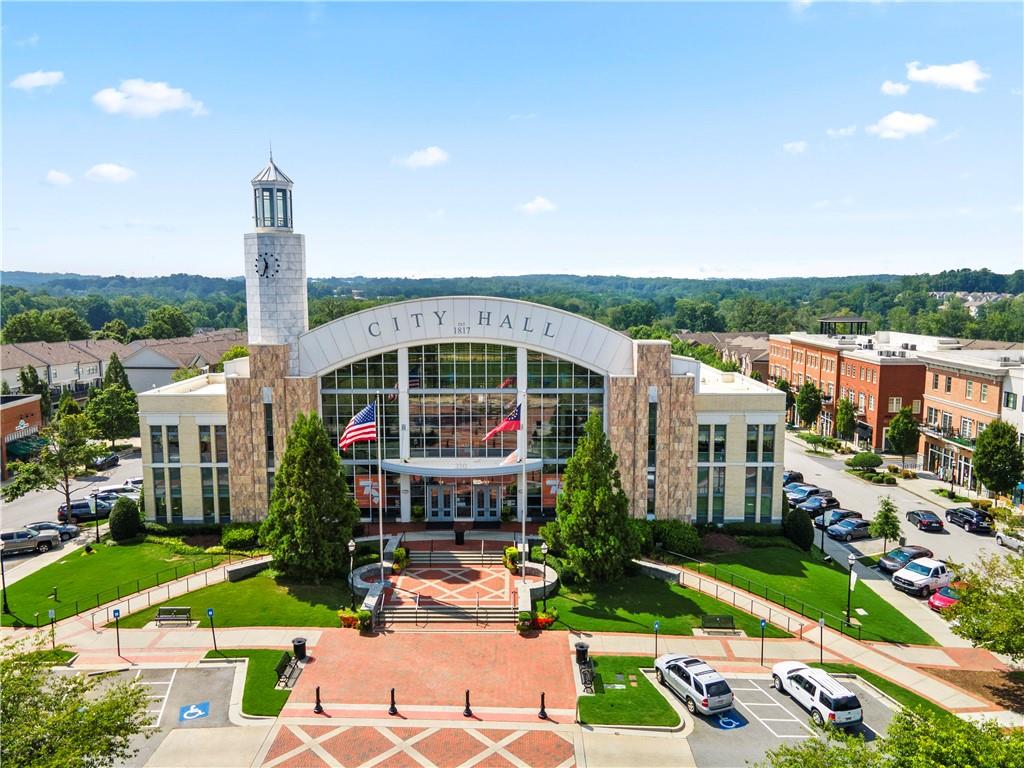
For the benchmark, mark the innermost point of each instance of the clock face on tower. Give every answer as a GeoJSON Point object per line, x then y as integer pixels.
{"type": "Point", "coordinates": [267, 265]}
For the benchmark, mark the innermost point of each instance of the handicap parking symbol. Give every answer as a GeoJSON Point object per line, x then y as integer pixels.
{"type": "Point", "coordinates": [194, 711]}
{"type": "Point", "coordinates": [727, 721]}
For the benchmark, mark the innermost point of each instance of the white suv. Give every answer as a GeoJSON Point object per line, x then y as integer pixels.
{"type": "Point", "coordinates": [700, 687]}
{"type": "Point", "coordinates": [819, 693]}
{"type": "Point", "coordinates": [922, 576]}
{"type": "Point", "coordinates": [1010, 540]}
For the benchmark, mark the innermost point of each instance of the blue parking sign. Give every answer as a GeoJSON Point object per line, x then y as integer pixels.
{"type": "Point", "coordinates": [657, 626]}
{"type": "Point", "coordinates": [763, 623]}
{"type": "Point", "coordinates": [194, 711]}
{"type": "Point", "coordinates": [209, 612]}
{"type": "Point", "coordinates": [117, 613]}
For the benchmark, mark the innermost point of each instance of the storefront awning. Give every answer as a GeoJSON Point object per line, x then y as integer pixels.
{"type": "Point", "coordinates": [25, 447]}
{"type": "Point", "coordinates": [459, 467]}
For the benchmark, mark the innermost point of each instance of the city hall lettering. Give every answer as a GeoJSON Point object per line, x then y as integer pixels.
{"type": "Point", "coordinates": [483, 319]}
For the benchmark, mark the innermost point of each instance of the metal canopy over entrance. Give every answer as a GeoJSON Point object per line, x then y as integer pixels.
{"type": "Point", "coordinates": [459, 467]}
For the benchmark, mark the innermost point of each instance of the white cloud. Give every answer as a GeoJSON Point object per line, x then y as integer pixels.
{"type": "Point", "coordinates": [109, 172]}
{"type": "Point", "coordinates": [57, 178]}
{"type": "Point", "coordinates": [841, 133]}
{"type": "Point", "coordinates": [424, 158]}
{"type": "Point", "coordinates": [39, 79]}
{"type": "Point", "coordinates": [141, 98]}
{"type": "Point", "coordinates": [795, 147]}
{"type": "Point", "coordinates": [889, 88]}
{"type": "Point", "coordinates": [29, 42]}
{"type": "Point", "coordinates": [899, 125]}
{"type": "Point", "coordinates": [538, 205]}
{"type": "Point", "coordinates": [964, 76]}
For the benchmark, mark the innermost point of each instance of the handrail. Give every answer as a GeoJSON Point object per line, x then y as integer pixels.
{"type": "Point", "coordinates": [788, 602]}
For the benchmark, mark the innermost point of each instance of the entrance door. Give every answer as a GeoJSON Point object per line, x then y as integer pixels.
{"type": "Point", "coordinates": [440, 502]}
{"type": "Point", "coordinates": [486, 502]}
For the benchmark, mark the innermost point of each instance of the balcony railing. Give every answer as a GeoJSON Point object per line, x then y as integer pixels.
{"type": "Point", "coordinates": [949, 434]}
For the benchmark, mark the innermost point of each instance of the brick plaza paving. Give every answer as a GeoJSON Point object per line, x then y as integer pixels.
{"type": "Point", "coordinates": [452, 585]}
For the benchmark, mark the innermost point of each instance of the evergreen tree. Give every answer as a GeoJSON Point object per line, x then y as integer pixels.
{"type": "Point", "coordinates": [998, 457]}
{"type": "Point", "coordinates": [798, 528]}
{"type": "Point", "coordinates": [67, 405]}
{"type": "Point", "coordinates": [597, 537]}
{"type": "Point", "coordinates": [113, 413]}
{"type": "Point", "coordinates": [886, 524]}
{"type": "Point", "coordinates": [115, 374]}
{"type": "Point", "coordinates": [31, 384]}
{"type": "Point", "coordinates": [311, 509]}
{"type": "Point", "coordinates": [808, 403]}
{"type": "Point", "coordinates": [5, 388]}
{"type": "Point", "coordinates": [903, 434]}
{"type": "Point", "coordinates": [844, 419]}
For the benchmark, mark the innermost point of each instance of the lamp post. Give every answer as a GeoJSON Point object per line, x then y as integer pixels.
{"type": "Point", "coordinates": [3, 580]}
{"type": "Point", "coordinates": [850, 559]}
{"type": "Point", "coordinates": [351, 581]}
{"type": "Point", "coordinates": [544, 552]}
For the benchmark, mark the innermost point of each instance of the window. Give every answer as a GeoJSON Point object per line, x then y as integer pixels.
{"type": "Point", "coordinates": [966, 426]}
{"type": "Point", "coordinates": [750, 496]}
{"type": "Point", "coordinates": [702, 494]}
{"type": "Point", "coordinates": [652, 455]}
{"type": "Point", "coordinates": [718, 495]}
{"type": "Point", "coordinates": [895, 404]}
{"type": "Point", "coordinates": [949, 384]}
{"type": "Point", "coordinates": [768, 442]}
{"type": "Point", "coordinates": [935, 381]}
{"type": "Point", "coordinates": [174, 475]}
{"type": "Point", "coordinates": [268, 426]}
{"type": "Point", "coordinates": [984, 393]}
{"type": "Point", "coordinates": [720, 442]}
{"type": "Point", "coordinates": [752, 435]}
{"type": "Point", "coordinates": [173, 453]}
{"type": "Point", "coordinates": [915, 407]}
{"type": "Point", "coordinates": [223, 495]}
{"type": "Point", "coordinates": [156, 444]}
{"type": "Point", "coordinates": [767, 488]}
{"type": "Point", "coordinates": [205, 444]}
{"type": "Point", "coordinates": [1010, 401]}
{"type": "Point", "coordinates": [932, 416]}
{"type": "Point", "coordinates": [860, 402]}
{"type": "Point", "coordinates": [160, 495]}
{"type": "Point", "coordinates": [220, 434]}
{"type": "Point", "coordinates": [703, 442]}
{"type": "Point", "coordinates": [208, 503]}
{"type": "Point", "coordinates": [871, 402]}
{"type": "Point", "coordinates": [969, 390]}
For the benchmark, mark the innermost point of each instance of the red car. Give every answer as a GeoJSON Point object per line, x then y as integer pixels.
{"type": "Point", "coordinates": [944, 598]}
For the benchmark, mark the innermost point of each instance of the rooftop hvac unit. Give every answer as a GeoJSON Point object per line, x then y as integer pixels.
{"type": "Point", "coordinates": [904, 346]}
{"type": "Point", "coordinates": [902, 353]}
{"type": "Point", "coordinates": [913, 346]}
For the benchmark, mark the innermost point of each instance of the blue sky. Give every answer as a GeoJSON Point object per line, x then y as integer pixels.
{"type": "Point", "coordinates": [685, 140]}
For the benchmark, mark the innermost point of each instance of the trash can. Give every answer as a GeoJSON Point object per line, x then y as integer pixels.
{"type": "Point", "coordinates": [581, 653]}
{"type": "Point", "coordinates": [460, 537]}
{"type": "Point", "coordinates": [299, 648]}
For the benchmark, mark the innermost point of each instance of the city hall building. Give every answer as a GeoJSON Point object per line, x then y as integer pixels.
{"type": "Point", "coordinates": [693, 442]}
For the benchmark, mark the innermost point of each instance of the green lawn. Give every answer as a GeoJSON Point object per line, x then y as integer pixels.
{"type": "Point", "coordinates": [53, 656]}
{"type": "Point", "coordinates": [260, 696]}
{"type": "Point", "coordinates": [899, 693]}
{"type": "Point", "coordinates": [642, 705]}
{"type": "Point", "coordinates": [634, 603]}
{"type": "Point", "coordinates": [812, 585]}
{"type": "Point", "coordinates": [262, 600]}
{"type": "Point", "coordinates": [84, 581]}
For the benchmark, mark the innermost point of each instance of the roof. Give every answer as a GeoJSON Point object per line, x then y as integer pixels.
{"type": "Point", "coordinates": [842, 319]}
{"type": "Point", "coordinates": [989, 344]}
{"type": "Point", "coordinates": [204, 348]}
{"type": "Point", "coordinates": [55, 353]}
{"type": "Point", "coordinates": [271, 174]}
{"type": "Point", "coordinates": [102, 348]}
{"type": "Point", "coordinates": [13, 356]}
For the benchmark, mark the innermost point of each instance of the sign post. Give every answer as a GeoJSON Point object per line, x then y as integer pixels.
{"type": "Point", "coordinates": [209, 613]}
{"type": "Point", "coordinates": [763, 623]}
{"type": "Point", "coordinates": [53, 631]}
{"type": "Point", "coordinates": [657, 626]}
{"type": "Point", "coordinates": [117, 629]}
{"type": "Point", "coordinates": [821, 640]}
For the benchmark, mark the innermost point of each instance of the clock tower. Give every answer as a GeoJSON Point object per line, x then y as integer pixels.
{"type": "Point", "coordinates": [275, 266]}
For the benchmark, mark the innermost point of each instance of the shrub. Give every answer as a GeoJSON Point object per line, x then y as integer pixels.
{"type": "Point", "coordinates": [348, 618]}
{"type": "Point", "coordinates": [893, 468]}
{"type": "Point", "coordinates": [157, 529]}
{"type": "Point", "coordinates": [763, 542]}
{"type": "Point", "coordinates": [215, 550]}
{"type": "Point", "coordinates": [365, 620]}
{"type": "Point", "coordinates": [418, 515]}
{"type": "Point", "coordinates": [177, 546]}
{"type": "Point", "coordinates": [985, 504]}
{"type": "Point", "coordinates": [890, 480]}
{"type": "Point", "coordinates": [877, 479]}
{"type": "Point", "coordinates": [240, 536]}
{"type": "Point", "coordinates": [125, 522]}
{"type": "Point", "coordinates": [677, 536]}
{"type": "Point", "coordinates": [753, 529]}
{"type": "Point", "coordinates": [525, 622]}
{"type": "Point", "coordinates": [798, 528]}
{"type": "Point", "coordinates": [866, 460]}
{"type": "Point", "coordinates": [551, 534]}
{"type": "Point", "coordinates": [908, 474]}
{"type": "Point", "coordinates": [511, 558]}
{"type": "Point", "coordinates": [644, 533]}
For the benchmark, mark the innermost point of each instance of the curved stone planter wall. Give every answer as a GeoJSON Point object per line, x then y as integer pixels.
{"type": "Point", "coordinates": [539, 571]}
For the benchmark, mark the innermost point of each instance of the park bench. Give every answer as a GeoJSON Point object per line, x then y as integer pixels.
{"type": "Point", "coordinates": [713, 621]}
{"type": "Point", "coordinates": [587, 676]}
{"type": "Point", "coordinates": [284, 668]}
{"type": "Point", "coordinates": [173, 613]}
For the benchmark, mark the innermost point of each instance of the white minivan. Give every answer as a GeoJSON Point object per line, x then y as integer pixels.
{"type": "Point", "coordinates": [819, 693]}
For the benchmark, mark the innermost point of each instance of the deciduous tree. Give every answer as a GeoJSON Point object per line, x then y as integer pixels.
{"type": "Point", "coordinates": [903, 434]}
{"type": "Point", "coordinates": [990, 612]}
{"type": "Point", "coordinates": [113, 413]}
{"type": "Point", "coordinates": [167, 322]}
{"type": "Point", "coordinates": [311, 509]}
{"type": "Point", "coordinates": [31, 384]}
{"type": "Point", "coordinates": [844, 419]}
{"type": "Point", "coordinates": [184, 373]}
{"type": "Point", "coordinates": [592, 510]}
{"type": "Point", "coordinates": [886, 524]}
{"type": "Point", "coordinates": [998, 457]}
{"type": "Point", "coordinates": [783, 386]}
{"type": "Point", "coordinates": [808, 403]}
{"type": "Point", "coordinates": [67, 405]}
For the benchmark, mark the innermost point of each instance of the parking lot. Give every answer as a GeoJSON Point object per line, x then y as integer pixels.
{"type": "Point", "coordinates": [764, 719]}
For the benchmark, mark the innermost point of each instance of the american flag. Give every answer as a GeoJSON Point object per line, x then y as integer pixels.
{"type": "Point", "coordinates": [362, 427]}
{"type": "Point", "coordinates": [510, 423]}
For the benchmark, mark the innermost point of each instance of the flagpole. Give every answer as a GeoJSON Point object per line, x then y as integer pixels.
{"type": "Point", "coordinates": [380, 489]}
{"type": "Point", "coordinates": [526, 551]}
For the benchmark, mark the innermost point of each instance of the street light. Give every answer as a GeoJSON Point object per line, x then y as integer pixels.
{"type": "Point", "coordinates": [544, 552]}
{"type": "Point", "coordinates": [850, 559]}
{"type": "Point", "coordinates": [3, 580]}
{"type": "Point", "coordinates": [351, 581]}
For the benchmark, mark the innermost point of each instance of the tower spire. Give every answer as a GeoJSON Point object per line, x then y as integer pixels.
{"type": "Point", "coordinates": [271, 143]}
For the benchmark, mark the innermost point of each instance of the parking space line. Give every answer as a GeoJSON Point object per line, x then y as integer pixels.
{"type": "Point", "coordinates": [765, 720]}
{"type": "Point", "coordinates": [165, 697]}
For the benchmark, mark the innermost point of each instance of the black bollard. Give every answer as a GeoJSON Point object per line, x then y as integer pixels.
{"type": "Point", "coordinates": [543, 714]}
{"type": "Point", "coordinates": [318, 707]}
{"type": "Point", "coordinates": [392, 710]}
{"type": "Point", "coordinates": [467, 712]}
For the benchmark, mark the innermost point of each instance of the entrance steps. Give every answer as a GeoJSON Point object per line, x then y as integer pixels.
{"type": "Point", "coordinates": [448, 614]}
{"type": "Point", "coordinates": [448, 557]}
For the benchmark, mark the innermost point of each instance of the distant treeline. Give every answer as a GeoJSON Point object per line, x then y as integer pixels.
{"type": "Point", "coordinates": [776, 305]}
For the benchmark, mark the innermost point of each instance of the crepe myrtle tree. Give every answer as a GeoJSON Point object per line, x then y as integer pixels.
{"type": "Point", "coordinates": [886, 524]}
{"type": "Point", "coordinates": [903, 434]}
{"type": "Point", "coordinates": [808, 403]}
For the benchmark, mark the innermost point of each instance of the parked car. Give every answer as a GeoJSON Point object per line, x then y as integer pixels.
{"type": "Point", "coordinates": [944, 598]}
{"type": "Point", "coordinates": [817, 504]}
{"type": "Point", "coordinates": [849, 529]}
{"type": "Point", "coordinates": [899, 557]}
{"type": "Point", "coordinates": [81, 510]}
{"type": "Point", "coordinates": [792, 476]}
{"type": "Point", "coordinates": [970, 519]}
{"type": "Point", "coordinates": [117, 490]}
{"type": "Point", "coordinates": [1009, 540]}
{"type": "Point", "coordinates": [833, 516]}
{"type": "Point", "coordinates": [922, 576]}
{"type": "Point", "coordinates": [819, 693]}
{"type": "Point", "coordinates": [106, 462]}
{"type": "Point", "coordinates": [25, 540]}
{"type": "Point", "coordinates": [65, 532]}
{"type": "Point", "coordinates": [925, 520]}
{"type": "Point", "coordinates": [134, 482]}
{"type": "Point", "coordinates": [802, 493]}
{"type": "Point", "coordinates": [111, 498]}
{"type": "Point", "coordinates": [700, 687]}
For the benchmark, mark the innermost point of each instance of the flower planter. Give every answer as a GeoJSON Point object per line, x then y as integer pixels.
{"type": "Point", "coordinates": [543, 622]}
